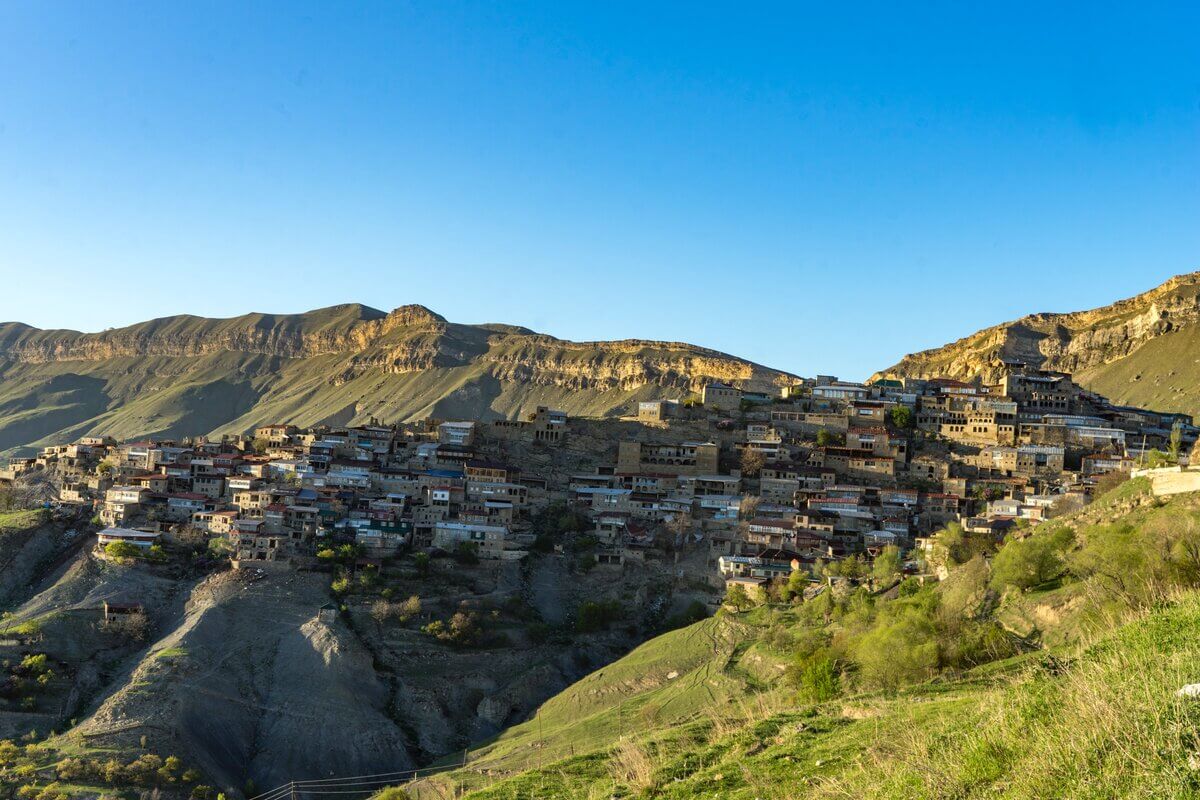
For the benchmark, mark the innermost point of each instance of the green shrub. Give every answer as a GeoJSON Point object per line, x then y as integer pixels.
{"type": "Point", "coordinates": [816, 677]}
{"type": "Point", "coordinates": [899, 651]}
{"type": "Point", "coordinates": [122, 550]}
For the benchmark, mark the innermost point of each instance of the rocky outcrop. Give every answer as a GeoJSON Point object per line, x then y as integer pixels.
{"type": "Point", "coordinates": [1074, 342]}
{"type": "Point", "coordinates": [339, 329]}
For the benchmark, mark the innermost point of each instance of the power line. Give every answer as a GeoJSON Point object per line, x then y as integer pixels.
{"type": "Point", "coordinates": [318, 785]}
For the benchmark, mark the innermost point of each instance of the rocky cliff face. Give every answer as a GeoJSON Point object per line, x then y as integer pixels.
{"type": "Point", "coordinates": [1079, 342]}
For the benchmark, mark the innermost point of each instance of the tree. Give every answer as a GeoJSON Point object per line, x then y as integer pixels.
{"type": "Point", "coordinates": [955, 545]}
{"type": "Point", "coordinates": [421, 561]}
{"type": "Point", "coordinates": [1031, 561]}
{"type": "Point", "coordinates": [1176, 440]}
{"type": "Point", "coordinates": [680, 526]}
{"type": "Point", "coordinates": [748, 506]}
{"type": "Point", "coordinates": [1157, 458]}
{"type": "Point", "coordinates": [752, 461]}
{"type": "Point", "coordinates": [888, 564]}
{"type": "Point", "coordinates": [381, 610]}
{"type": "Point", "coordinates": [898, 652]}
{"type": "Point", "coordinates": [409, 608]}
{"type": "Point", "coordinates": [737, 597]}
{"type": "Point", "coordinates": [466, 553]}
{"type": "Point", "coordinates": [851, 567]}
{"type": "Point", "coordinates": [902, 417]}
{"type": "Point", "coordinates": [797, 582]}
{"type": "Point", "coordinates": [824, 438]}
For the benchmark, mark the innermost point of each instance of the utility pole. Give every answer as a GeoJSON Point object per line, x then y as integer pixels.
{"type": "Point", "coordinates": [292, 789]}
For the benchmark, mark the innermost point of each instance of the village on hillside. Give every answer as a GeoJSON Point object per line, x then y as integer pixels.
{"type": "Point", "coordinates": [817, 481]}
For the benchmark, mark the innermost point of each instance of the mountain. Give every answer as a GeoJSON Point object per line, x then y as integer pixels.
{"type": "Point", "coordinates": [345, 364]}
{"type": "Point", "coordinates": [1144, 351]}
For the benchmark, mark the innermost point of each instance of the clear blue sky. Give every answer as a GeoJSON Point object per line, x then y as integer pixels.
{"type": "Point", "coordinates": [821, 187]}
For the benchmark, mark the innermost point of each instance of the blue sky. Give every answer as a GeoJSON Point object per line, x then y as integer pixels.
{"type": "Point", "coordinates": [821, 188]}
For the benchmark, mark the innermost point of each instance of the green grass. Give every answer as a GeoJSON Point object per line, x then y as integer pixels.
{"type": "Point", "coordinates": [1161, 374]}
{"type": "Point", "coordinates": [20, 520]}
{"type": "Point", "coordinates": [171, 652]}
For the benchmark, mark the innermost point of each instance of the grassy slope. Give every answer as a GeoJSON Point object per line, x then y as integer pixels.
{"type": "Point", "coordinates": [1163, 374]}
{"type": "Point", "coordinates": [1098, 720]}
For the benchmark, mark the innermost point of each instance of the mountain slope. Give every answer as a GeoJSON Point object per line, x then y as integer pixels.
{"type": "Point", "coordinates": [1087, 707]}
{"type": "Point", "coordinates": [345, 364]}
{"type": "Point", "coordinates": [1138, 351]}
{"type": "Point", "coordinates": [1108, 725]}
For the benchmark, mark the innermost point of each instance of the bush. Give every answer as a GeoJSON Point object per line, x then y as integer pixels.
{"type": "Point", "coordinates": [72, 769]}
{"type": "Point", "coordinates": [35, 664]}
{"type": "Point", "coordinates": [595, 616]}
{"type": "Point", "coordinates": [393, 793]}
{"type": "Point", "coordinates": [144, 769]}
{"type": "Point", "coordinates": [122, 551]}
{"type": "Point", "coordinates": [135, 626]}
{"type": "Point", "coordinates": [466, 553]}
{"type": "Point", "coordinates": [975, 643]}
{"type": "Point", "coordinates": [816, 677]}
{"type": "Point", "coordinates": [462, 629]}
{"type": "Point", "coordinates": [409, 608]}
{"type": "Point", "coordinates": [1142, 565]}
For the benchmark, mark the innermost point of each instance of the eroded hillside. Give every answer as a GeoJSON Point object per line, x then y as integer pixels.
{"type": "Point", "coordinates": [257, 677]}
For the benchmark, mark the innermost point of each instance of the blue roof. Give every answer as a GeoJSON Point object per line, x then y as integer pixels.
{"type": "Point", "coordinates": [444, 473]}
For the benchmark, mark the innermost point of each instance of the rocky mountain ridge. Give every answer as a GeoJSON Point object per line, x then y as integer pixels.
{"type": "Point", "coordinates": [1089, 344]}
{"type": "Point", "coordinates": [188, 375]}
